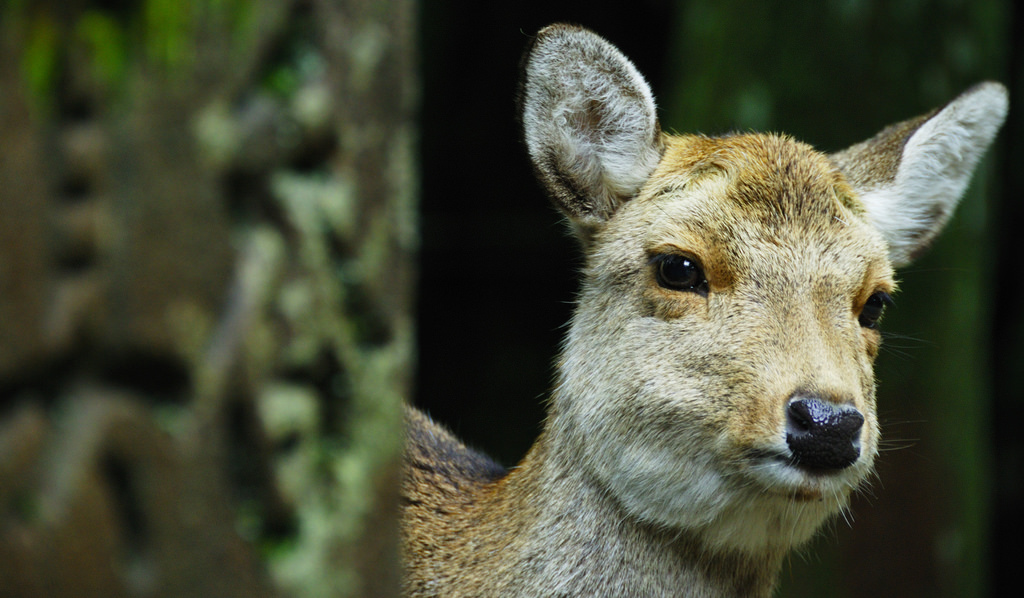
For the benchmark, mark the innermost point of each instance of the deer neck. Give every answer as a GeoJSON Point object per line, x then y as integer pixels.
{"type": "Point", "coordinates": [571, 536]}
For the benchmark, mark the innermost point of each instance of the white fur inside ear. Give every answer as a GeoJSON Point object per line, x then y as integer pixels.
{"type": "Point", "coordinates": [589, 120]}
{"type": "Point", "coordinates": [934, 170]}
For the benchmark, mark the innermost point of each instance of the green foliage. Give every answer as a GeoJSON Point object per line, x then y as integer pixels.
{"type": "Point", "coordinates": [40, 61]}
{"type": "Point", "coordinates": [168, 25]}
{"type": "Point", "coordinates": [106, 44]}
{"type": "Point", "coordinates": [163, 35]}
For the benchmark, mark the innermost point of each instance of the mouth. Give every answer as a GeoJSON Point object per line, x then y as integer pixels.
{"type": "Point", "coordinates": [780, 474]}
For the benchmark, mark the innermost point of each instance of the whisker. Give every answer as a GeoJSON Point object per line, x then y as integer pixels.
{"type": "Point", "coordinates": [897, 444]}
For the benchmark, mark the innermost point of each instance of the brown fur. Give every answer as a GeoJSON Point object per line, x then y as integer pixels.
{"type": "Point", "coordinates": [663, 468]}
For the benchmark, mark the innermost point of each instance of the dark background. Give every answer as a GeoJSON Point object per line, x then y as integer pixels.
{"type": "Point", "coordinates": [498, 268]}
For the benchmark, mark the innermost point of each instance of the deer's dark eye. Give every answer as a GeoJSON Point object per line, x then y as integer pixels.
{"type": "Point", "coordinates": [679, 273]}
{"type": "Point", "coordinates": [873, 309]}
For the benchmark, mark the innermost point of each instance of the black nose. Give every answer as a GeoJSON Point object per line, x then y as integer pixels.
{"type": "Point", "coordinates": [821, 435]}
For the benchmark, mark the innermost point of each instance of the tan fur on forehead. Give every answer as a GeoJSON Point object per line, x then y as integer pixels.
{"type": "Point", "coordinates": [774, 176]}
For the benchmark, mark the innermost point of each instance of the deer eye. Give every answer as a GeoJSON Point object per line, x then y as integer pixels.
{"type": "Point", "coordinates": [679, 273]}
{"type": "Point", "coordinates": [873, 308]}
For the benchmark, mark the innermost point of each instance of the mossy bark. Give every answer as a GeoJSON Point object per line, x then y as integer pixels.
{"type": "Point", "coordinates": [207, 240]}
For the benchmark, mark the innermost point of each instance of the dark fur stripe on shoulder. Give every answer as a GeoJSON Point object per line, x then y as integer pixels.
{"type": "Point", "coordinates": [434, 455]}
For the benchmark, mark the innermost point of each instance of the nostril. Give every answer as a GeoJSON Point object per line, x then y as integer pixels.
{"type": "Point", "coordinates": [817, 416]}
{"type": "Point", "coordinates": [822, 435]}
{"type": "Point", "coordinates": [801, 418]}
{"type": "Point", "coordinates": [849, 422]}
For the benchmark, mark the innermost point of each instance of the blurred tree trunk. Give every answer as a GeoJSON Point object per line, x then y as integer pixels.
{"type": "Point", "coordinates": [833, 74]}
{"type": "Point", "coordinates": [207, 233]}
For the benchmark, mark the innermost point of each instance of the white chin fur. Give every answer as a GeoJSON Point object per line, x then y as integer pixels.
{"type": "Point", "coordinates": [769, 506]}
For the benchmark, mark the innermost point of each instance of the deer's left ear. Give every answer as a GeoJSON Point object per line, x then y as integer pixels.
{"type": "Point", "coordinates": [589, 122]}
{"type": "Point", "coordinates": [912, 174]}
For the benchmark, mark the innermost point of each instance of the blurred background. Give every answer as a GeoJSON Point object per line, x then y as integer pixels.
{"type": "Point", "coordinates": [497, 270]}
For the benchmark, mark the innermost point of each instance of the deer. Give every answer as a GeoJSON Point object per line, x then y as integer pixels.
{"type": "Point", "coordinates": [714, 401]}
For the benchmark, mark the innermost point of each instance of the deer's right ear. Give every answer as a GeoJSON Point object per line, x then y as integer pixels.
{"type": "Point", "coordinates": [912, 174]}
{"type": "Point", "coordinates": [589, 121]}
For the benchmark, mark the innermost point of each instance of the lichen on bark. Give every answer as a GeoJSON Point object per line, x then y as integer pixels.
{"type": "Point", "coordinates": [207, 243]}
